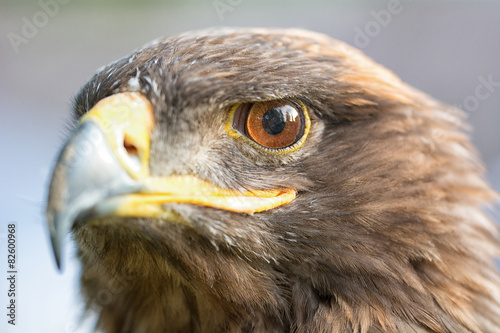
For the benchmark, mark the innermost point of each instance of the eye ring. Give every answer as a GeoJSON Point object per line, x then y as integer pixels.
{"type": "Point", "coordinates": [275, 126]}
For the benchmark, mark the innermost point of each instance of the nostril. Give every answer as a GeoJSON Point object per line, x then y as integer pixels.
{"type": "Point", "coordinates": [132, 160]}
{"type": "Point", "coordinates": [130, 148]}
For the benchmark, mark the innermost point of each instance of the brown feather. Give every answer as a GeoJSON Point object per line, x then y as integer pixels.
{"type": "Point", "coordinates": [388, 232]}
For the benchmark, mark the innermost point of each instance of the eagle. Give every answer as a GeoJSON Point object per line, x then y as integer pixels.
{"type": "Point", "coordinates": [273, 180]}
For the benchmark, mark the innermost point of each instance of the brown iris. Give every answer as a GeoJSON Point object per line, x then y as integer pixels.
{"type": "Point", "coordinates": [272, 124]}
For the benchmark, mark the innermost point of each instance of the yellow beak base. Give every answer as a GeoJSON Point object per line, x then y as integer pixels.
{"type": "Point", "coordinates": [103, 170]}
{"type": "Point", "coordinates": [127, 121]}
{"type": "Point", "coordinates": [193, 190]}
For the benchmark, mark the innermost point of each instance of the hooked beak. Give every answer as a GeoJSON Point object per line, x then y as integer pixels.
{"type": "Point", "coordinates": [103, 170]}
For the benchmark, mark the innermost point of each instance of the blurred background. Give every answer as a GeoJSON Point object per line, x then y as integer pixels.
{"type": "Point", "coordinates": [49, 48]}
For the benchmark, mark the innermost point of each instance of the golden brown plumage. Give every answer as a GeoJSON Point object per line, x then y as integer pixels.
{"type": "Point", "coordinates": [387, 232]}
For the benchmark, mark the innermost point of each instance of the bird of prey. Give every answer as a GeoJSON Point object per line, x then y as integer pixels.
{"type": "Point", "coordinates": [273, 180]}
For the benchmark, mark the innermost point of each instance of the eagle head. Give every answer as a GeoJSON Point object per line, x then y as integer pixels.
{"type": "Point", "coordinates": [272, 180]}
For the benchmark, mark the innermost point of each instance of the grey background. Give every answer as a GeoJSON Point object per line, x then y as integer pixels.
{"type": "Point", "coordinates": [442, 47]}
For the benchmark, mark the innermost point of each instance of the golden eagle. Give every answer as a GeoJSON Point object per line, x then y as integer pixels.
{"type": "Point", "coordinates": [273, 180]}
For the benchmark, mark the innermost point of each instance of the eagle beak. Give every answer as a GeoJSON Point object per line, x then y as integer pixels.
{"type": "Point", "coordinates": [103, 170]}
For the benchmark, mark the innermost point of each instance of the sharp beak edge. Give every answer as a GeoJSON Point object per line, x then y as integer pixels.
{"type": "Point", "coordinates": [103, 170]}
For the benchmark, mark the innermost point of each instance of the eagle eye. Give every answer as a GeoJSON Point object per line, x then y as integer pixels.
{"type": "Point", "coordinates": [277, 125]}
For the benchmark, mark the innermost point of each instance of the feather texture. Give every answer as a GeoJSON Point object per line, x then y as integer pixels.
{"type": "Point", "coordinates": [388, 232]}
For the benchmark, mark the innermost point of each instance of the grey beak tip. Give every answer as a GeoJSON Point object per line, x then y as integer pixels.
{"type": "Point", "coordinates": [57, 255]}
{"type": "Point", "coordinates": [86, 174]}
{"type": "Point", "coordinates": [56, 242]}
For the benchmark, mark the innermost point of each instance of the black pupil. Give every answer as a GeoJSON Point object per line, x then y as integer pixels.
{"type": "Point", "coordinates": [273, 121]}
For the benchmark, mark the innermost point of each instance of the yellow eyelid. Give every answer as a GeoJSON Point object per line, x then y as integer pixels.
{"type": "Point", "coordinates": [278, 151]}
